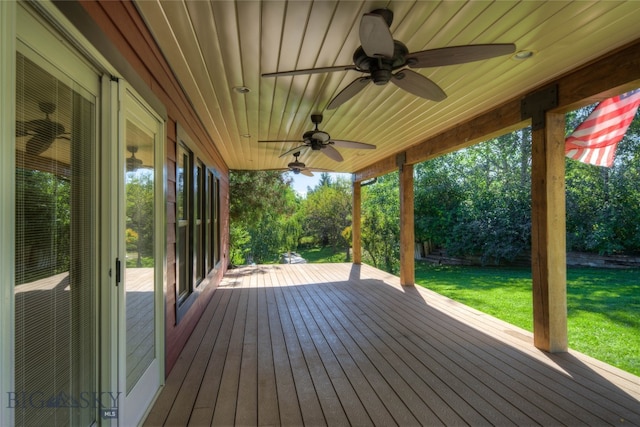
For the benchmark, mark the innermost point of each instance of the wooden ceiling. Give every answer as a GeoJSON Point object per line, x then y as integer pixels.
{"type": "Point", "coordinates": [216, 46]}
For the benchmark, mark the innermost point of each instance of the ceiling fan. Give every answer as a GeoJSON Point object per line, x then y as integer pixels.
{"type": "Point", "coordinates": [133, 163]}
{"type": "Point", "coordinates": [42, 131]}
{"type": "Point", "coordinates": [298, 167]}
{"type": "Point", "coordinates": [320, 140]}
{"type": "Point", "coordinates": [379, 56]}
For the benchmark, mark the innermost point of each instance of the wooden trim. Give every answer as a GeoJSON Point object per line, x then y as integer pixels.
{"type": "Point", "coordinates": [355, 223]}
{"type": "Point", "coordinates": [548, 235]}
{"type": "Point", "coordinates": [407, 238]}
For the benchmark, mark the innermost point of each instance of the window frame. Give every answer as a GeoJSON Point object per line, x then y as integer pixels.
{"type": "Point", "coordinates": [201, 200]}
{"type": "Point", "coordinates": [183, 224]}
{"type": "Point", "coordinates": [212, 218]}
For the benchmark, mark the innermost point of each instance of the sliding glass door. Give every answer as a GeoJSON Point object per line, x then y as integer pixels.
{"type": "Point", "coordinates": [55, 245]}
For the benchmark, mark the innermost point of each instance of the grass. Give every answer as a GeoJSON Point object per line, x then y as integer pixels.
{"type": "Point", "coordinates": [323, 255]}
{"type": "Point", "coordinates": [603, 305]}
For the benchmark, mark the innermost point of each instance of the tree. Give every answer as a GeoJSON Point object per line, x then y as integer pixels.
{"type": "Point", "coordinates": [380, 230]}
{"type": "Point", "coordinates": [603, 203]}
{"type": "Point", "coordinates": [139, 211]}
{"type": "Point", "coordinates": [326, 212]}
{"type": "Point", "coordinates": [438, 196]}
{"type": "Point", "coordinates": [43, 219]}
{"type": "Point", "coordinates": [256, 193]}
{"type": "Point", "coordinates": [262, 212]}
{"type": "Point", "coordinates": [325, 180]}
{"type": "Point", "coordinates": [476, 201]}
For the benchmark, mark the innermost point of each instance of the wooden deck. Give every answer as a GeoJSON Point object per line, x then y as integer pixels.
{"type": "Point", "coordinates": [342, 344]}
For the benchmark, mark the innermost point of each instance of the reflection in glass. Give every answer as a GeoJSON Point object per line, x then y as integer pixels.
{"type": "Point", "coordinates": [55, 273]}
{"type": "Point", "coordinates": [139, 277]}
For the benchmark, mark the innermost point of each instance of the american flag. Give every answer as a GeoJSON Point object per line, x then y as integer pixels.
{"type": "Point", "coordinates": [595, 140]}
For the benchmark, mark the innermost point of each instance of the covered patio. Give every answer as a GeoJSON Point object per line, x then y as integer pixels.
{"type": "Point", "coordinates": [346, 344]}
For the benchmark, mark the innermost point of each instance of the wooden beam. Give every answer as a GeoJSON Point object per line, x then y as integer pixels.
{"type": "Point", "coordinates": [355, 223]}
{"type": "Point", "coordinates": [380, 168]}
{"type": "Point", "coordinates": [548, 235]}
{"type": "Point", "coordinates": [617, 72]}
{"type": "Point", "coordinates": [407, 239]}
{"type": "Point", "coordinates": [501, 120]}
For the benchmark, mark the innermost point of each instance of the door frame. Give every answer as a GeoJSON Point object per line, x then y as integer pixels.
{"type": "Point", "coordinates": [8, 36]}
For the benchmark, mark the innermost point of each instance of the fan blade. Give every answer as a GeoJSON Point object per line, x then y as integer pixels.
{"type": "Point", "coordinates": [281, 140]}
{"type": "Point", "coordinates": [306, 172]}
{"type": "Point", "coordinates": [458, 54]}
{"type": "Point", "coordinates": [21, 129]}
{"type": "Point", "coordinates": [419, 85]}
{"type": "Point", "coordinates": [349, 92]}
{"type": "Point", "coordinates": [352, 144]}
{"type": "Point", "coordinates": [38, 144]}
{"type": "Point", "coordinates": [293, 150]}
{"type": "Point", "coordinates": [375, 36]}
{"type": "Point", "coordinates": [332, 153]}
{"type": "Point", "coordinates": [311, 71]}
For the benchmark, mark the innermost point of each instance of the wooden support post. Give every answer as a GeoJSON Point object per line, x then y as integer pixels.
{"type": "Point", "coordinates": [407, 240]}
{"type": "Point", "coordinates": [548, 235]}
{"type": "Point", "coordinates": [355, 223]}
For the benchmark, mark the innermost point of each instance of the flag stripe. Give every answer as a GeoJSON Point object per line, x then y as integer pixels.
{"type": "Point", "coordinates": [595, 140]}
{"type": "Point", "coordinates": [603, 122]}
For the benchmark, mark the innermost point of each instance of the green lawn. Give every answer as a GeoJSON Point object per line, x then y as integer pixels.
{"type": "Point", "coordinates": [603, 305]}
{"type": "Point", "coordinates": [321, 255]}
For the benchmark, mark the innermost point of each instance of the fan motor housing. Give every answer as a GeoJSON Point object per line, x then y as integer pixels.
{"type": "Point", "coordinates": [314, 143]}
{"type": "Point", "coordinates": [380, 68]}
{"type": "Point", "coordinates": [296, 165]}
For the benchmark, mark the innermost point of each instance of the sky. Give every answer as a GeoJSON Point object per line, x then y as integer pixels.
{"type": "Point", "coordinates": [301, 182]}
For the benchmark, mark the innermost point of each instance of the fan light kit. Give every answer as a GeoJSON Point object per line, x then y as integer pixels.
{"type": "Point", "coordinates": [318, 140]}
{"type": "Point", "coordinates": [297, 167]}
{"type": "Point", "coordinates": [385, 59]}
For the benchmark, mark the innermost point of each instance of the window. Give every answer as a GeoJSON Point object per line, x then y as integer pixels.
{"type": "Point", "coordinates": [183, 214]}
{"type": "Point", "coordinates": [197, 223]}
{"type": "Point", "coordinates": [212, 229]}
{"type": "Point", "coordinates": [198, 232]}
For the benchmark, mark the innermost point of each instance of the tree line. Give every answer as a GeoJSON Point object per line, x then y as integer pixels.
{"type": "Point", "coordinates": [472, 202]}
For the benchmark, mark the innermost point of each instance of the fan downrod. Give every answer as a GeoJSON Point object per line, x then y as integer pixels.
{"type": "Point", "coordinates": [316, 119]}
{"type": "Point", "coordinates": [387, 14]}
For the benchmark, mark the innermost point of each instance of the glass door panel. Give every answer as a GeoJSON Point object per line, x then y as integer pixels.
{"type": "Point", "coordinates": [140, 259]}
{"type": "Point", "coordinates": [55, 267]}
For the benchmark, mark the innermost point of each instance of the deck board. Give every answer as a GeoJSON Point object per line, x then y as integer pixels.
{"type": "Point", "coordinates": [341, 344]}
